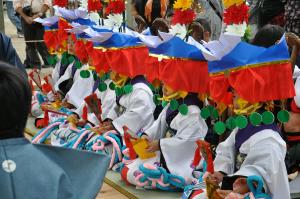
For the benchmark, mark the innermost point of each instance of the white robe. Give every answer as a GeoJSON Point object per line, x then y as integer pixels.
{"type": "Point", "coordinates": [265, 157]}
{"type": "Point", "coordinates": [108, 99]}
{"type": "Point", "coordinates": [178, 151]}
{"type": "Point", "coordinates": [139, 109]}
{"type": "Point", "coordinates": [55, 72]}
{"type": "Point", "coordinates": [81, 88]}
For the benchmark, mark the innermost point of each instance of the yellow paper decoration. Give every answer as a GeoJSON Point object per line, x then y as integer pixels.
{"type": "Point", "coordinates": [183, 4]}
{"type": "Point", "coordinates": [140, 147]}
{"type": "Point", "coordinates": [228, 3]}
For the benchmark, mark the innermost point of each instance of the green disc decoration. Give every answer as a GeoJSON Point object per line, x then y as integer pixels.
{"type": "Point", "coordinates": [85, 74]}
{"type": "Point", "coordinates": [255, 119]}
{"type": "Point", "coordinates": [174, 105]}
{"type": "Point", "coordinates": [78, 64]}
{"type": "Point", "coordinates": [127, 89]}
{"type": "Point", "coordinates": [268, 117]}
{"type": "Point", "coordinates": [230, 123]}
{"type": "Point", "coordinates": [102, 87]}
{"type": "Point", "coordinates": [283, 116]}
{"type": "Point", "coordinates": [71, 59]}
{"type": "Point", "coordinates": [119, 91]}
{"type": "Point", "coordinates": [152, 87]}
{"type": "Point", "coordinates": [64, 59]}
{"type": "Point", "coordinates": [205, 113]}
{"type": "Point", "coordinates": [164, 103]}
{"type": "Point", "coordinates": [241, 121]}
{"type": "Point", "coordinates": [156, 99]}
{"type": "Point", "coordinates": [219, 127]}
{"type": "Point", "coordinates": [112, 86]}
{"type": "Point", "coordinates": [214, 114]}
{"type": "Point", "coordinates": [183, 109]}
{"type": "Point", "coordinates": [51, 60]}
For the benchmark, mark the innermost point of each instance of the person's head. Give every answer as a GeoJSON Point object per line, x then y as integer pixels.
{"type": "Point", "coordinates": [268, 35]}
{"type": "Point", "coordinates": [15, 100]}
{"type": "Point", "coordinates": [207, 30]}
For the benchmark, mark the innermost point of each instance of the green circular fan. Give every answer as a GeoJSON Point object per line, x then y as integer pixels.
{"type": "Point", "coordinates": [164, 103]}
{"type": "Point", "coordinates": [127, 89]}
{"type": "Point", "coordinates": [78, 64]}
{"type": "Point", "coordinates": [205, 113]}
{"type": "Point", "coordinates": [85, 74]}
{"type": "Point", "coordinates": [241, 121]}
{"type": "Point", "coordinates": [71, 59]}
{"type": "Point", "coordinates": [268, 117]}
{"type": "Point", "coordinates": [183, 109]}
{"type": "Point", "coordinates": [214, 114]}
{"type": "Point", "coordinates": [174, 105]}
{"type": "Point", "coordinates": [119, 91]}
{"type": "Point", "coordinates": [112, 86]}
{"type": "Point", "coordinates": [102, 87]}
{"type": "Point", "coordinates": [283, 116]}
{"type": "Point", "coordinates": [255, 119]}
{"type": "Point", "coordinates": [219, 127]}
{"type": "Point", "coordinates": [230, 123]}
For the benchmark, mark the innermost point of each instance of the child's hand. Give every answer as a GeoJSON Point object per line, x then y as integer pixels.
{"type": "Point", "coordinates": [153, 146]}
{"type": "Point", "coordinates": [223, 193]}
{"type": "Point", "coordinates": [216, 177]}
{"type": "Point", "coordinates": [240, 186]}
{"type": "Point", "coordinates": [81, 123]}
{"type": "Point", "coordinates": [145, 137]}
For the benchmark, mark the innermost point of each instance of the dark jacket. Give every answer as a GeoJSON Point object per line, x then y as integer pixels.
{"type": "Point", "coordinates": [8, 53]}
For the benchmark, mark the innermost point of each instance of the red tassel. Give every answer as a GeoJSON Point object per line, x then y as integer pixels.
{"type": "Point", "coordinates": [197, 157]}
{"type": "Point", "coordinates": [84, 113]}
{"type": "Point", "coordinates": [46, 118]}
{"type": "Point", "coordinates": [94, 5]}
{"type": "Point", "coordinates": [127, 137]}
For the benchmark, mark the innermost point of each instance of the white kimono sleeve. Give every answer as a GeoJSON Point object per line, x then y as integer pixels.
{"type": "Point", "coordinates": [55, 72]}
{"type": "Point", "coordinates": [178, 151]}
{"type": "Point", "coordinates": [265, 157]}
{"type": "Point", "coordinates": [225, 157]}
{"type": "Point", "coordinates": [159, 127]}
{"type": "Point", "coordinates": [139, 111]}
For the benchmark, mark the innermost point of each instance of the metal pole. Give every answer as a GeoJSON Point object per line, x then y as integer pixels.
{"type": "Point", "coordinates": [1, 17]}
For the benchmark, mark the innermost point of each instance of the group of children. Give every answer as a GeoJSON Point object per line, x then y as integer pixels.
{"type": "Point", "coordinates": [146, 99]}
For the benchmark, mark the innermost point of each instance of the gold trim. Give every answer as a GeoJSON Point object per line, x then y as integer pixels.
{"type": "Point", "coordinates": [119, 189]}
{"type": "Point", "coordinates": [248, 66]}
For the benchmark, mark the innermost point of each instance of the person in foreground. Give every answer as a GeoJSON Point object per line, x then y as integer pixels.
{"type": "Point", "coordinates": [34, 171]}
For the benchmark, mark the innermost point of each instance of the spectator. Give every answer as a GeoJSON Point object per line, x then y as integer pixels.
{"type": "Point", "coordinates": [292, 16]}
{"type": "Point", "coordinates": [207, 29]}
{"type": "Point", "coordinates": [212, 12]}
{"type": "Point", "coordinates": [8, 53]}
{"type": "Point", "coordinates": [15, 20]}
{"type": "Point", "coordinates": [39, 171]}
{"type": "Point", "coordinates": [33, 32]}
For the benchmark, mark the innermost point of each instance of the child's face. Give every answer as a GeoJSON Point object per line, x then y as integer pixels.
{"type": "Point", "coordinates": [71, 45]}
{"type": "Point", "coordinates": [167, 91]}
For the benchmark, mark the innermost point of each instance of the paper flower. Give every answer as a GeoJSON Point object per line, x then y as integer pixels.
{"type": "Point", "coordinates": [94, 5]}
{"type": "Point", "coordinates": [183, 4]}
{"type": "Point", "coordinates": [60, 3]}
{"type": "Point", "coordinates": [178, 30]}
{"type": "Point", "coordinates": [115, 7]}
{"type": "Point", "coordinates": [183, 17]}
{"type": "Point", "coordinates": [236, 14]}
{"type": "Point", "coordinates": [236, 29]}
{"type": "Point", "coordinates": [228, 3]}
{"type": "Point", "coordinates": [113, 20]}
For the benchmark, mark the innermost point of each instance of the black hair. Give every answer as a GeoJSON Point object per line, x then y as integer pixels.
{"type": "Point", "coordinates": [268, 35]}
{"type": "Point", "coordinates": [205, 24]}
{"type": "Point", "coordinates": [15, 100]}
